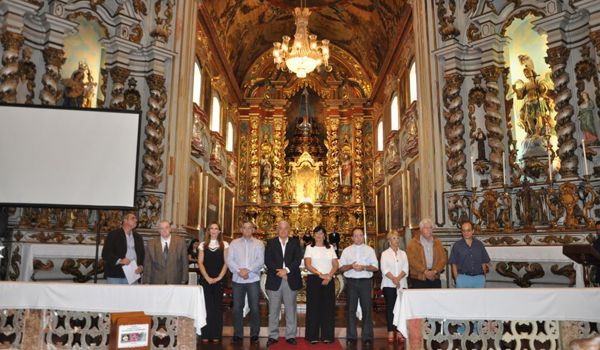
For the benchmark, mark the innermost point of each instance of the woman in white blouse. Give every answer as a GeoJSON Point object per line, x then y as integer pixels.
{"type": "Point", "coordinates": [321, 262]}
{"type": "Point", "coordinates": [394, 269]}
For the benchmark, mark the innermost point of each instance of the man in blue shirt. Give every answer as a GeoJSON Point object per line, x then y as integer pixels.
{"type": "Point", "coordinates": [469, 259]}
{"type": "Point", "coordinates": [245, 259]}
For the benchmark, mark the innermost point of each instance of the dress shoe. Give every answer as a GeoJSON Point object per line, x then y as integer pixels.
{"type": "Point", "coordinates": [291, 341]}
{"type": "Point", "coordinates": [254, 339]}
{"type": "Point", "coordinates": [236, 340]}
{"type": "Point", "coordinates": [271, 341]}
{"type": "Point", "coordinates": [350, 341]}
{"type": "Point", "coordinates": [368, 342]}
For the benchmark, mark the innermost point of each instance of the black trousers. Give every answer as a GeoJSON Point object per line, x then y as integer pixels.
{"type": "Point", "coordinates": [213, 299]}
{"type": "Point", "coordinates": [320, 309]}
{"type": "Point", "coordinates": [390, 295]}
{"type": "Point", "coordinates": [426, 284]}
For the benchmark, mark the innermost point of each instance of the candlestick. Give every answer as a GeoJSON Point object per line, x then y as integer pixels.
{"type": "Point", "coordinates": [340, 174]}
{"type": "Point", "coordinates": [550, 164]}
{"type": "Point", "coordinates": [585, 167]}
{"type": "Point", "coordinates": [365, 221]}
{"type": "Point", "coordinates": [472, 172]}
{"type": "Point", "coordinates": [503, 170]}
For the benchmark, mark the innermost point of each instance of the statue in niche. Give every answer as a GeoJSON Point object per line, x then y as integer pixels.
{"type": "Point", "coordinates": [534, 116]}
{"type": "Point", "coordinates": [480, 138]}
{"type": "Point", "coordinates": [346, 170]}
{"type": "Point", "coordinates": [586, 119]}
{"type": "Point", "coordinates": [77, 92]}
{"type": "Point", "coordinates": [266, 170]}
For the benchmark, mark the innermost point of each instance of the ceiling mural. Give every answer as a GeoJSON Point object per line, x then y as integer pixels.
{"type": "Point", "coordinates": [363, 28]}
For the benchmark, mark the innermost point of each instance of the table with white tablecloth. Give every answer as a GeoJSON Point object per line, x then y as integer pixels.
{"type": "Point", "coordinates": [559, 304]}
{"type": "Point", "coordinates": [164, 300]}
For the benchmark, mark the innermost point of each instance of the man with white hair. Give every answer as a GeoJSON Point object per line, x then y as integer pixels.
{"type": "Point", "coordinates": [166, 258]}
{"type": "Point", "coordinates": [427, 258]}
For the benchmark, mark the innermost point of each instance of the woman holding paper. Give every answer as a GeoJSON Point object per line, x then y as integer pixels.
{"type": "Point", "coordinates": [212, 254]}
{"type": "Point", "coordinates": [394, 269]}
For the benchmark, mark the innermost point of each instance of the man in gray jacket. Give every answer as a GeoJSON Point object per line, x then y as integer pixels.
{"type": "Point", "coordinates": [166, 259]}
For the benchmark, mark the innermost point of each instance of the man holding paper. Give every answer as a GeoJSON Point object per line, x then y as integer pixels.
{"type": "Point", "coordinates": [122, 247]}
{"type": "Point", "coordinates": [166, 258]}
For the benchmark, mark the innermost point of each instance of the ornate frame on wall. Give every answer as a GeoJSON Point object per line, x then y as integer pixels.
{"type": "Point", "coordinates": [382, 209]}
{"type": "Point", "coordinates": [212, 202]}
{"type": "Point", "coordinates": [413, 193]}
{"type": "Point", "coordinates": [397, 200]}
{"type": "Point", "coordinates": [194, 215]}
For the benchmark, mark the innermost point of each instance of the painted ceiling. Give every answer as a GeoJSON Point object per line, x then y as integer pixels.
{"type": "Point", "coordinates": [364, 28]}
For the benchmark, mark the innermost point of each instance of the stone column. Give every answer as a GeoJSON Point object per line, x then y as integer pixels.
{"type": "Point", "coordinates": [119, 76]}
{"type": "Point", "coordinates": [54, 59]}
{"type": "Point", "coordinates": [454, 131]}
{"type": "Point", "coordinates": [155, 133]}
{"type": "Point", "coordinates": [565, 127]}
{"type": "Point", "coordinates": [9, 74]}
{"type": "Point", "coordinates": [493, 123]}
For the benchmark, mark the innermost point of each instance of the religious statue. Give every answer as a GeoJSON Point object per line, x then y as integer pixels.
{"type": "Point", "coordinates": [198, 145]}
{"type": "Point", "coordinates": [266, 170]}
{"type": "Point", "coordinates": [534, 116]}
{"type": "Point", "coordinates": [77, 92]}
{"type": "Point", "coordinates": [346, 170]}
{"type": "Point", "coordinates": [88, 89]}
{"type": "Point", "coordinates": [480, 137]}
{"type": "Point", "coordinates": [586, 119]}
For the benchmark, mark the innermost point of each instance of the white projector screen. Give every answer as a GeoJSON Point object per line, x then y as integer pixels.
{"type": "Point", "coordinates": [65, 157]}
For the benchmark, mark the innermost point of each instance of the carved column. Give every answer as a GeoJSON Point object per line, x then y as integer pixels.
{"type": "Point", "coordinates": [565, 127]}
{"type": "Point", "coordinates": [493, 123]}
{"type": "Point", "coordinates": [253, 188]}
{"type": "Point", "coordinates": [154, 130]}
{"type": "Point", "coordinates": [278, 154]}
{"type": "Point", "coordinates": [119, 75]}
{"type": "Point", "coordinates": [333, 159]}
{"type": "Point", "coordinates": [54, 59]}
{"type": "Point", "coordinates": [9, 75]}
{"type": "Point", "coordinates": [358, 173]}
{"type": "Point", "coordinates": [454, 131]}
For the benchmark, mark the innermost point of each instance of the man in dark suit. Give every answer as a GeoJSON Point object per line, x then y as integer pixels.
{"type": "Point", "coordinates": [121, 247]}
{"type": "Point", "coordinates": [166, 258]}
{"type": "Point", "coordinates": [282, 259]}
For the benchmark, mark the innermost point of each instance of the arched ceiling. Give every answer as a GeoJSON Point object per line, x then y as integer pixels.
{"type": "Point", "coordinates": [366, 29]}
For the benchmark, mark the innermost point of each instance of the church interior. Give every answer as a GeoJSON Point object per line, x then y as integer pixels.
{"type": "Point", "coordinates": [391, 112]}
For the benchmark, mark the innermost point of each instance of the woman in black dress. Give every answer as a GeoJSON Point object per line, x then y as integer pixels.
{"type": "Point", "coordinates": [212, 254]}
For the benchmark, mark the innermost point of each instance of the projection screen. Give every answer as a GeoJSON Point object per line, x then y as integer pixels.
{"type": "Point", "coordinates": [65, 157]}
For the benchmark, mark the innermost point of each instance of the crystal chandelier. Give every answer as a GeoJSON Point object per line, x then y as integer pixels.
{"type": "Point", "coordinates": [305, 54]}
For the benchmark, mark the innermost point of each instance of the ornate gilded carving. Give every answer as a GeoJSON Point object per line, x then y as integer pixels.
{"type": "Point", "coordinates": [132, 98]}
{"type": "Point", "coordinates": [136, 35]}
{"type": "Point", "coordinates": [569, 199]}
{"type": "Point", "coordinates": [54, 59]}
{"type": "Point", "coordinates": [454, 131]}
{"type": "Point", "coordinates": [119, 76]}
{"type": "Point", "coordinates": [565, 128]}
{"type": "Point", "coordinates": [109, 220]}
{"type": "Point", "coordinates": [446, 19]}
{"type": "Point", "coordinates": [243, 168]}
{"type": "Point", "coordinates": [27, 71]}
{"type": "Point", "coordinates": [512, 269]}
{"type": "Point", "coordinates": [358, 175]}
{"type": "Point", "coordinates": [493, 123]}
{"type": "Point", "coordinates": [333, 159]}
{"type": "Point", "coordinates": [15, 263]}
{"type": "Point", "coordinates": [588, 198]}
{"type": "Point", "coordinates": [470, 6]}
{"type": "Point", "coordinates": [149, 208]}
{"type": "Point", "coordinates": [505, 240]}
{"type": "Point", "coordinates": [487, 211]}
{"type": "Point", "coordinates": [155, 132]}
{"type": "Point", "coordinates": [473, 33]}
{"type": "Point", "coordinates": [140, 7]}
{"type": "Point", "coordinates": [458, 208]}
{"type": "Point", "coordinates": [254, 160]}
{"type": "Point", "coordinates": [41, 266]}
{"type": "Point", "coordinates": [505, 201]}
{"type": "Point", "coordinates": [9, 75]}
{"type": "Point", "coordinates": [567, 270]}
{"type": "Point", "coordinates": [279, 145]}
{"type": "Point", "coordinates": [81, 219]}
{"type": "Point", "coordinates": [73, 267]}
{"type": "Point", "coordinates": [162, 30]}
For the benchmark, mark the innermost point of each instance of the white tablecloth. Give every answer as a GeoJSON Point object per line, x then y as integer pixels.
{"type": "Point", "coordinates": [559, 304]}
{"type": "Point", "coordinates": [170, 300]}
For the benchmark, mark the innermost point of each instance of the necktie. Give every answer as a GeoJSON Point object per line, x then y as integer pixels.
{"type": "Point", "coordinates": [166, 251]}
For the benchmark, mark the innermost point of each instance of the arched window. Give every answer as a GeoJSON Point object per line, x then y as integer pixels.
{"type": "Point", "coordinates": [229, 143]}
{"type": "Point", "coordinates": [197, 89]}
{"type": "Point", "coordinates": [380, 136]}
{"type": "Point", "coordinates": [412, 78]}
{"type": "Point", "coordinates": [215, 116]}
{"type": "Point", "coordinates": [394, 113]}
